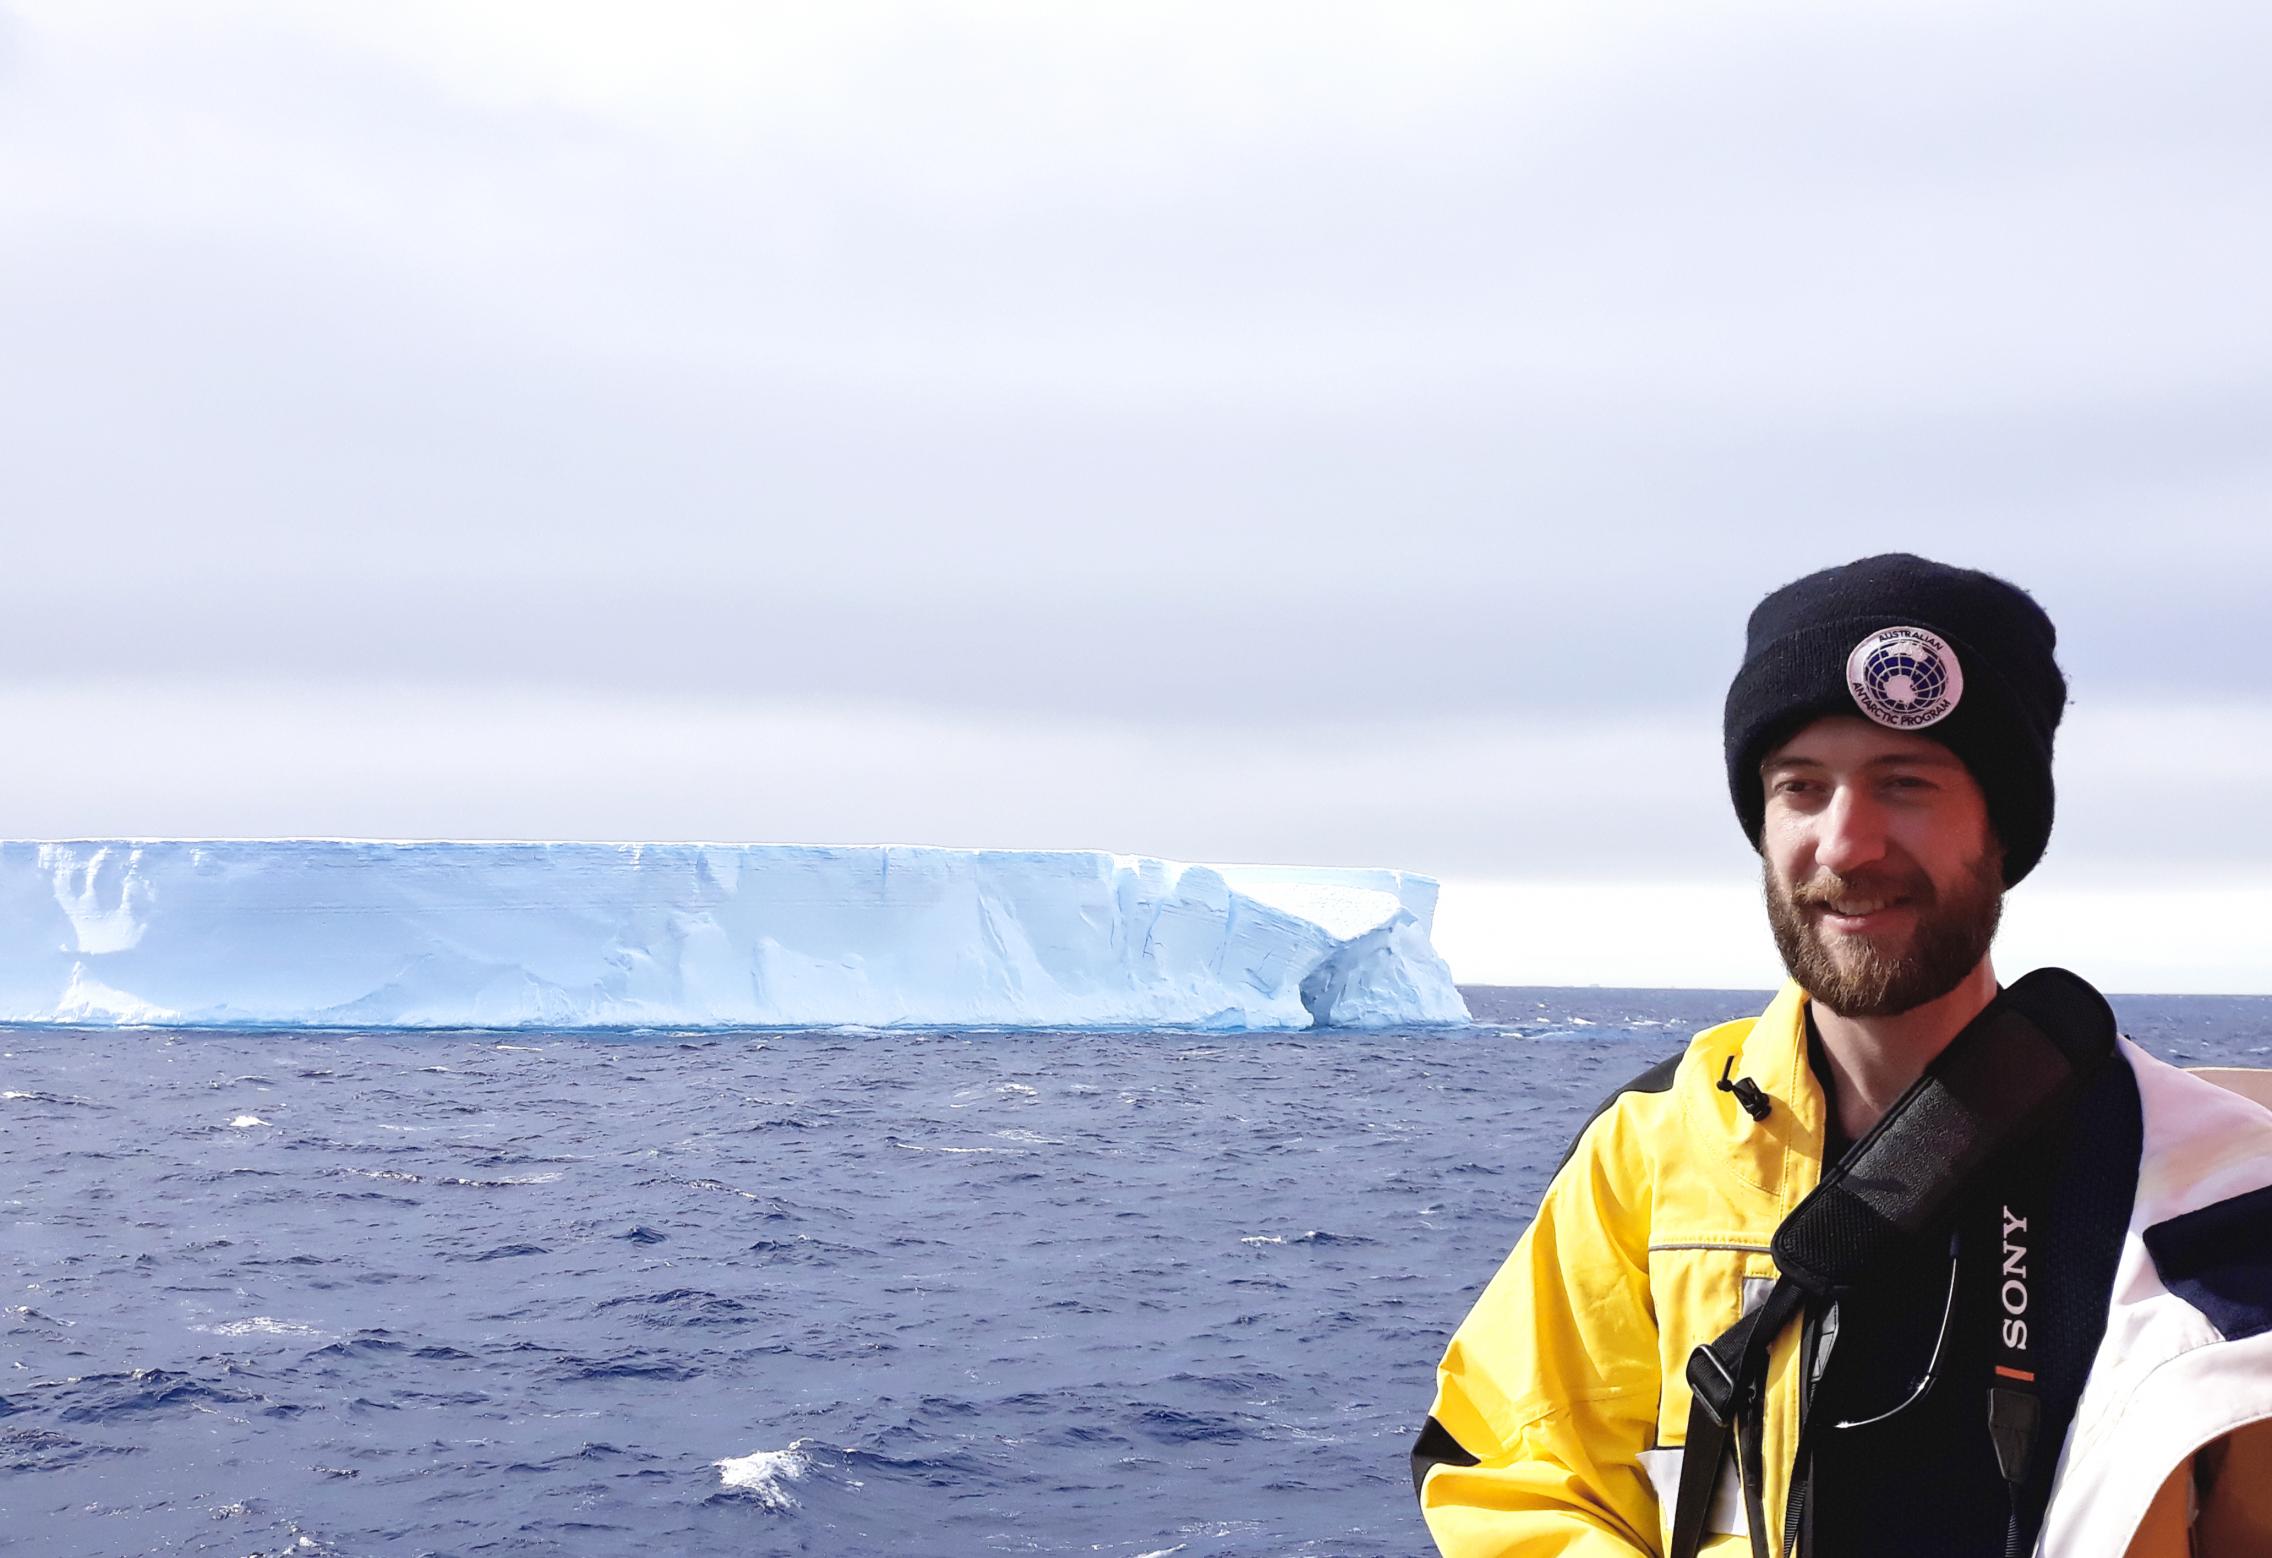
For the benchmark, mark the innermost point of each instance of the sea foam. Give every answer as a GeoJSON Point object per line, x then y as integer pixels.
{"type": "Point", "coordinates": [765, 1474]}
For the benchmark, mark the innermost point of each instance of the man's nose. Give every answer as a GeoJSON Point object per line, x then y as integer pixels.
{"type": "Point", "coordinates": [1852, 832]}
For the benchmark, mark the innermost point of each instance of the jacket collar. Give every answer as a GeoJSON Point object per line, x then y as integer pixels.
{"type": "Point", "coordinates": [1781, 1155]}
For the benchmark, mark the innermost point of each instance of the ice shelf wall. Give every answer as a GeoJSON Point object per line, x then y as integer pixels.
{"type": "Point", "coordinates": [285, 933]}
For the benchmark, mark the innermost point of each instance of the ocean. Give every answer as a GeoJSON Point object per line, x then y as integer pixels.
{"type": "Point", "coordinates": [782, 1293]}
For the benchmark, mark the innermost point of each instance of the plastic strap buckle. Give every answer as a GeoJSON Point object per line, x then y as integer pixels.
{"type": "Point", "coordinates": [1712, 1384]}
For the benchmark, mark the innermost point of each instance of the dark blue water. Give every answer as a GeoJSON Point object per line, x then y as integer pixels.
{"type": "Point", "coordinates": [938, 1294]}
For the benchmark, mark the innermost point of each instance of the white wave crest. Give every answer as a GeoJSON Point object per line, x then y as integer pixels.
{"type": "Point", "coordinates": [245, 1122]}
{"type": "Point", "coordinates": [765, 1474]}
{"type": "Point", "coordinates": [260, 1325]}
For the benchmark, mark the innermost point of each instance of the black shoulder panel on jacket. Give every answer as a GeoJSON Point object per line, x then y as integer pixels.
{"type": "Point", "coordinates": [1435, 1447]}
{"type": "Point", "coordinates": [1657, 1079]}
{"type": "Point", "coordinates": [2219, 1260]}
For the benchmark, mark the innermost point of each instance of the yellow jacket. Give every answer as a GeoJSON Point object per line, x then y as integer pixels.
{"type": "Point", "coordinates": [1566, 1384]}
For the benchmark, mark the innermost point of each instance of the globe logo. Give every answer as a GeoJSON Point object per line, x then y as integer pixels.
{"type": "Point", "coordinates": [1905, 678]}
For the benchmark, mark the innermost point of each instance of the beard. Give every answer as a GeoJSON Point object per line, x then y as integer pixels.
{"type": "Point", "coordinates": [1861, 978]}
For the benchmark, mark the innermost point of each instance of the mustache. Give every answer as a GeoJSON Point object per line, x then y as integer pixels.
{"type": "Point", "coordinates": [1830, 887]}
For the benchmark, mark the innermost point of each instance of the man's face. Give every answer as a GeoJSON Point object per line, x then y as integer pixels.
{"type": "Point", "coordinates": [1884, 880]}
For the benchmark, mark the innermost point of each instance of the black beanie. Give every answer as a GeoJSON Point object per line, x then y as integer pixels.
{"type": "Point", "coordinates": [1912, 644]}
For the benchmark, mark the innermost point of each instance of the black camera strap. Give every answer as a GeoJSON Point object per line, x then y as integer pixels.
{"type": "Point", "coordinates": [2012, 1225]}
{"type": "Point", "coordinates": [2012, 1070]}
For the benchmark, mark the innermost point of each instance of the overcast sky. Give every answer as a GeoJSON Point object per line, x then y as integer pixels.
{"type": "Point", "coordinates": [1295, 432]}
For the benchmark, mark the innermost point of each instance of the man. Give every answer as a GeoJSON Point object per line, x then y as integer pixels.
{"type": "Point", "coordinates": [1888, 741]}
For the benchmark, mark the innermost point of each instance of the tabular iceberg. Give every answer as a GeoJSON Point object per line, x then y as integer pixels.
{"type": "Point", "coordinates": [334, 933]}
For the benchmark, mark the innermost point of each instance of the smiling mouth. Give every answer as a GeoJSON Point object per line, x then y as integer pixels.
{"type": "Point", "coordinates": [1856, 914]}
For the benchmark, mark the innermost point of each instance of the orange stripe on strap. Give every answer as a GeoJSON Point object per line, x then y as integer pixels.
{"type": "Point", "coordinates": [2015, 1373]}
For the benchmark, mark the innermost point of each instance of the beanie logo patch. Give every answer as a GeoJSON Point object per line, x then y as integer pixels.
{"type": "Point", "coordinates": [1905, 678]}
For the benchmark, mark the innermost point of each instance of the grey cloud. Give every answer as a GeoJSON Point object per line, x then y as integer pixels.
{"type": "Point", "coordinates": [1509, 400]}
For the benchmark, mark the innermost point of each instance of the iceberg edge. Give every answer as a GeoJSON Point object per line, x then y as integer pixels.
{"type": "Point", "coordinates": [372, 934]}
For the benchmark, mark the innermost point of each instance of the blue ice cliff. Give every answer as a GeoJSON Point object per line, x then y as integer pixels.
{"type": "Point", "coordinates": [326, 933]}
